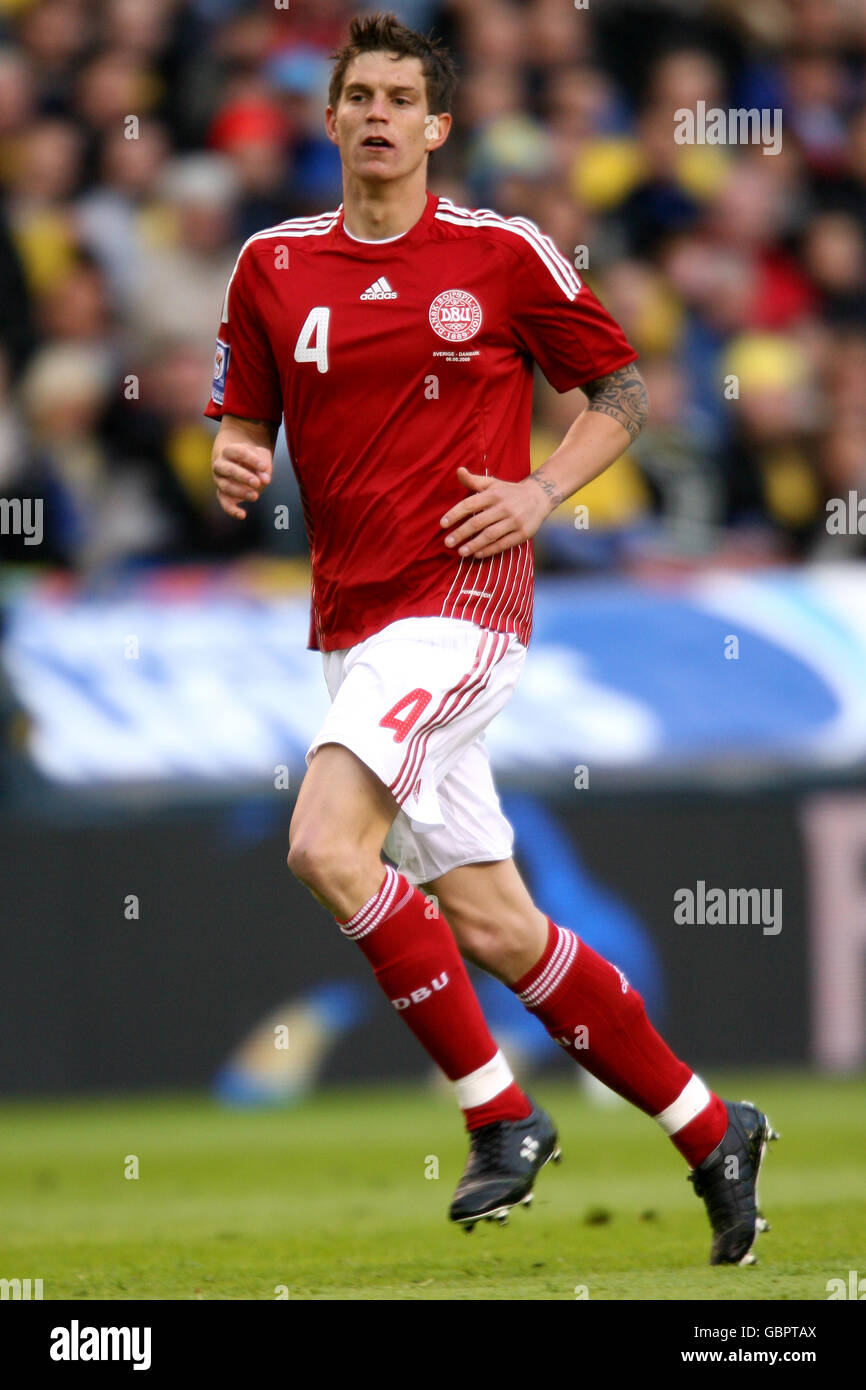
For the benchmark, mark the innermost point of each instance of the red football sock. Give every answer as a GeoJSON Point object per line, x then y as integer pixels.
{"type": "Point", "coordinates": [589, 1008]}
{"type": "Point", "coordinates": [416, 962]}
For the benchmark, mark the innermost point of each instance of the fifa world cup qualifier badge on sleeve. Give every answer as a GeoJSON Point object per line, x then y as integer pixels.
{"type": "Point", "coordinates": [220, 368]}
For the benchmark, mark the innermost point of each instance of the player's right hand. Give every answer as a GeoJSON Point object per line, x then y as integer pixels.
{"type": "Point", "coordinates": [240, 472]}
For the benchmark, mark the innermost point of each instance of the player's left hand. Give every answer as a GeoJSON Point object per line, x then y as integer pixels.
{"type": "Point", "coordinates": [496, 516]}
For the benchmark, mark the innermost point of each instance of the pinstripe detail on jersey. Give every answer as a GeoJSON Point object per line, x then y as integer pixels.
{"type": "Point", "coordinates": [561, 269]}
{"type": "Point", "coordinates": [494, 593]}
{"type": "Point", "coordinates": [491, 648]}
{"type": "Point", "coordinates": [507, 560]}
{"type": "Point", "coordinates": [295, 227]}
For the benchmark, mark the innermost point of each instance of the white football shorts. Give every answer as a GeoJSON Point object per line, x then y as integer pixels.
{"type": "Point", "coordinates": [412, 702]}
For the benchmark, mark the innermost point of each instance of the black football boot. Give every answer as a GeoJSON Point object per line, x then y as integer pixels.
{"type": "Point", "coordinates": [728, 1183]}
{"type": "Point", "coordinates": [504, 1161]}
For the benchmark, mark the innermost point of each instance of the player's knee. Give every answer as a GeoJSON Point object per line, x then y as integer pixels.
{"type": "Point", "coordinates": [311, 860]}
{"type": "Point", "coordinates": [302, 862]}
{"type": "Point", "coordinates": [324, 864]}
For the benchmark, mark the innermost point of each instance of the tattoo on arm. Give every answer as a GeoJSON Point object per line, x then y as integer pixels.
{"type": "Point", "coordinates": [551, 491]}
{"type": "Point", "coordinates": [621, 395]}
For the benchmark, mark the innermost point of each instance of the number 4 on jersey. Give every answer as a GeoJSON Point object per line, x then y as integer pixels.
{"type": "Point", "coordinates": [417, 701]}
{"type": "Point", "coordinates": [316, 327]}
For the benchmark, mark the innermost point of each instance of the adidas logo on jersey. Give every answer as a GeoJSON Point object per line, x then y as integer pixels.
{"type": "Point", "coordinates": [381, 290]}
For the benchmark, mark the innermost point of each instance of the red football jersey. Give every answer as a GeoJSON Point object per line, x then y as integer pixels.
{"type": "Point", "coordinates": [392, 363]}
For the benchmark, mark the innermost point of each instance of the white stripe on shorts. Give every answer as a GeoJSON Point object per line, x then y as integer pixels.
{"type": "Point", "coordinates": [453, 702]}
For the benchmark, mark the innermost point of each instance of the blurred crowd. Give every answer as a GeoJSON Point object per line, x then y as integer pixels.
{"type": "Point", "coordinates": [141, 143]}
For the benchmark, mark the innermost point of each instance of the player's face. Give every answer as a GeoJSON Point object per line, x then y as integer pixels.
{"type": "Point", "coordinates": [381, 123]}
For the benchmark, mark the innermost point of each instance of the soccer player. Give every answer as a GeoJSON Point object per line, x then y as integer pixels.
{"type": "Point", "coordinates": [395, 337]}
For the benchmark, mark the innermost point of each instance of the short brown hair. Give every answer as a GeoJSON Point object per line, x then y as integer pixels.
{"type": "Point", "coordinates": [383, 33]}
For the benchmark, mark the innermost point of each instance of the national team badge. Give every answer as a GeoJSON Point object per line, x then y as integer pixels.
{"type": "Point", "coordinates": [220, 367]}
{"type": "Point", "coordinates": [455, 315]}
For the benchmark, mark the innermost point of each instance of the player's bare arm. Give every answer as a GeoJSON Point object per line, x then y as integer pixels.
{"type": "Point", "coordinates": [622, 396]}
{"type": "Point", "coordinates": [499, 514]}
{"type": "Point", "coordinates": [242, 461]}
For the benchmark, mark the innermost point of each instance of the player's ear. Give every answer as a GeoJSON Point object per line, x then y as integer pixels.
{"type": "Point", "coordinates": [331, 125]}
{"type": "Point", "coordinates": [436, 130]}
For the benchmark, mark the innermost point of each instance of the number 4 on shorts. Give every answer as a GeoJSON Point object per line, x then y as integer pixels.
{"type": "Point", "coordinates": [416, 702]}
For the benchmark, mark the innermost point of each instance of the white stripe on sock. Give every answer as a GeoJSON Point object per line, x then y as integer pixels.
{"type": "Point", "coordinates": [376, 909]}
{"type": "Point", "coordinates": [692, 1099]}
{"type": "Point", "coordinates": [554, 972]}
{"type": "Point", "coordinates": [482, 1085]}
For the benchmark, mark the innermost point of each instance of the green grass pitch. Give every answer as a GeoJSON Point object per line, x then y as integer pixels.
{"type": "Point", "coordinates": [330, 1200]}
